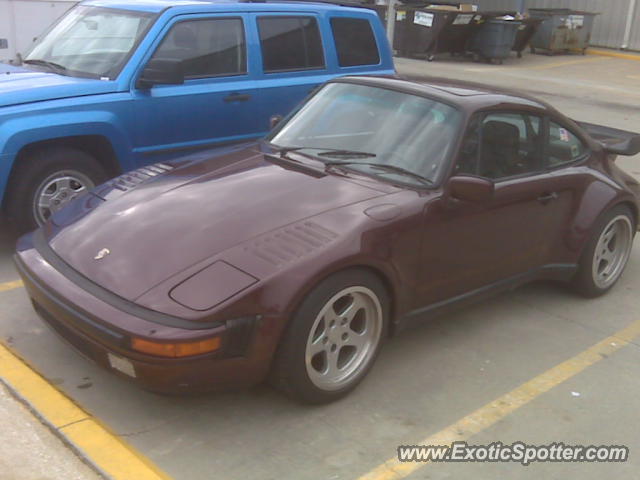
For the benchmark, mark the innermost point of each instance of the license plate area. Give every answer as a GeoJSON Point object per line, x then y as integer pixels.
{"type": "Point", "coordinates": [122, 365]}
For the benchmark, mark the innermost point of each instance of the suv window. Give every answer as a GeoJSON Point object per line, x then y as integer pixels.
{"type": "Point", "coordinates": [501, 145]}
{"type": "Point", "coordinates": [355, 42]}
{"type": "Point", "coordinates": [290, 43]}
{"type": "Point", "coordinates": [564, 146]}
{"type": "Point", "coordinates": [207, 48]}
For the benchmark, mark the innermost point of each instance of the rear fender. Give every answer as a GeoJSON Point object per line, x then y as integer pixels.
{"type": "Point", "coordinates": [597, 193]}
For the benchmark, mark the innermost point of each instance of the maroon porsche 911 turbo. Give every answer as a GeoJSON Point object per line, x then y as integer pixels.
{"type": "Point", "coordinates": [378, 202]}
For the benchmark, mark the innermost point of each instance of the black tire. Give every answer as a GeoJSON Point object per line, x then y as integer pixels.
{"type": "Point", "coordinates": [289, 372]}
{"type": "Point", "coordinates": [584, 282]}
{"type": "Point", "coordinates": [42, 165]}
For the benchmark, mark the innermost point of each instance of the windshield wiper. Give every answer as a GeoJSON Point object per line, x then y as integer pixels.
{"type": "Point", "coordinates": [326, 152]}
{"type": "Point", "coordinates": [346, 153]}
{"type": "Point", "coordinates": [285, 150]}
{"type": "Point", "coordinates": [386, 167]}
{"type": "Point", "coordinates": [56, 67]}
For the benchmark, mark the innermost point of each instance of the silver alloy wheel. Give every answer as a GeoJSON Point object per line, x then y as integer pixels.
{"type": "Point", "coordinates": [343, 338]}
{"type": "Point", "coordinates": [612, 251]}
{"type": "Point", "coordinates": [58, 189]}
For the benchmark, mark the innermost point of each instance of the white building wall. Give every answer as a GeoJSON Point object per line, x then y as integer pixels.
{"type": "Point", "coordinates": [23, 20]}
{"type": "Point", "coordinates": [609, 26]}
{"type": "Point", "coordinates": [634, 38]}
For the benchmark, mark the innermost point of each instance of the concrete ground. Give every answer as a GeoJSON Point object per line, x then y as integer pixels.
{"type": "Point", "coordinates": [28, 449]}
{"type": "Point", "coordinates": [427, 380]}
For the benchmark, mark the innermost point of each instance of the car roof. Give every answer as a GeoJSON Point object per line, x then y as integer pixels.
{"type": "Point", "coordinates": [189, 6]}
{"type": "Point", "coordinates": [467, 96]}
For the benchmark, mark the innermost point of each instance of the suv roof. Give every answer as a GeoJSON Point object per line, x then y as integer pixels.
{"type": "Point", "coordinates": [158, 6]}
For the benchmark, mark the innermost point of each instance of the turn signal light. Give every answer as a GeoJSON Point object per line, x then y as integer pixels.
{"type": "Point", "coordinates": [175, 350]}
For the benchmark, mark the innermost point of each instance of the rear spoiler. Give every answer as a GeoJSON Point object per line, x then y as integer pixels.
{"type": "Point", "coordinates": [617, 142]}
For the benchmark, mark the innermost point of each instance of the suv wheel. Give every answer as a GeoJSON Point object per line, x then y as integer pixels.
{"type": "Point", "coordinates": [46, 180]}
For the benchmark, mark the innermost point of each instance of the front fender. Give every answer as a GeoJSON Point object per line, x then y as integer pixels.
{"type": "Point", "coordinates": [17, 133]}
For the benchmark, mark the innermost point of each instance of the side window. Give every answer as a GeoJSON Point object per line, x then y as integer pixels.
{"type": "Point", "coordinates": [207, 48]}
{"type": "Point", "coordinates": [564, 146]}
{"type": "Point", "coordinates": [469, 158]}
{"type": "Point", "coordinates": [290, 43]}
{"type": "Point", "coordinates": [501, 145]}
{"type": "Point", "coordinates": [355, 42]}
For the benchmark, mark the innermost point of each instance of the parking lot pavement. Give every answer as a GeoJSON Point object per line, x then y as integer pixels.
{"type": "Point", "coordinates": [28, 450]}
{"type": "Point", "coordinates": [445, 378]}
{"type": "Point", "coordinates": [591, 88]}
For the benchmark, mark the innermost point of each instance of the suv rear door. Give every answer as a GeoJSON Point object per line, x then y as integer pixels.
{"type": "Point", "coordinates": [300, 51]}
{"type": "Point", "coordinates": [292, 60]}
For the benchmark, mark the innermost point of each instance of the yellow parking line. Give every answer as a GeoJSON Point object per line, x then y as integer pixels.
{"type": "Point", "coordinates": [10, 285]}
{"type": "Point", "coordinates": [613, 53]}
{"type": "Point", "coordinates": [109, 454]}
{"type": "Point", "coordinates": [568, 62]}
{"type": "Point", "coordinates": [496, 410]}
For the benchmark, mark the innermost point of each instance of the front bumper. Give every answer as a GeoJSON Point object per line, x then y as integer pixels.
{"type": "Point", "coordinates": [103, 333]}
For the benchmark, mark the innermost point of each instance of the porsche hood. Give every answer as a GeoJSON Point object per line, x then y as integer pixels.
{"type": "Point", "coordinates": [129, 238]}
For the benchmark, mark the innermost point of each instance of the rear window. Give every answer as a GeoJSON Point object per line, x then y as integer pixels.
{"type": "Point", "coordinates": [355, 42]}
{"type": "Point", "coordinates": [564, 146]}
{"type": "Point", "coordinates": [290, 43]}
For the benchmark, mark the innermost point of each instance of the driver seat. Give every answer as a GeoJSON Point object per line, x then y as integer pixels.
{"type": "Point", "coordinates": [500, 152]}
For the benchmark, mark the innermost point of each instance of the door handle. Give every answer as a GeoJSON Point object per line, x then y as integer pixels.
{"type": "Point", "coordinates": [237, 97]}
{"type": "Point", "coordinates": [547, 197]}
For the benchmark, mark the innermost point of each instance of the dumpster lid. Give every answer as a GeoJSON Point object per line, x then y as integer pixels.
{"type": "Point", "coordinates": [562, 11]}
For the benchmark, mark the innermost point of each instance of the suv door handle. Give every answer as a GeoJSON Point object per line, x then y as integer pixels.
{"type": "Point", "coordinates": [547, 197]}
{"type": "Point", "coordinates": [237, 97]}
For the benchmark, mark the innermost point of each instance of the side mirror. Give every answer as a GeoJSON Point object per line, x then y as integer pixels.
{"type": "Point", "coordinates": [274, 120]}
{"type": "Point", "coordinates": [471, 189]}
{"type": "Point", "coordinates": [161, 72]}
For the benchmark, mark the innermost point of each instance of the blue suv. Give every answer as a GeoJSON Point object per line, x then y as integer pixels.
{"type": "Point", "coordinates": [116, 85]}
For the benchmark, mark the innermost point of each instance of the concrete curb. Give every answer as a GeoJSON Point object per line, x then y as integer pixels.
{"type": "Point", "coordinates": [93, 442]}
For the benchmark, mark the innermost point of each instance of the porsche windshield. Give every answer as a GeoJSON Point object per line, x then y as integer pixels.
{"type": "Point", "coordinates": [377, 131]}
{"type": "Point", "coordinates": [90, 42]}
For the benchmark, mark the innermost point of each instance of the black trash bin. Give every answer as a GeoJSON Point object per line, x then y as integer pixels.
{"type": "Point", "coordinates": [381, 10]}
{"type": "Point", "coordinates": [431, 31]}
{"type": "Point", "coordinates": [494, 39]}
{"type": "Point", "coordinates": [526, 31]}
